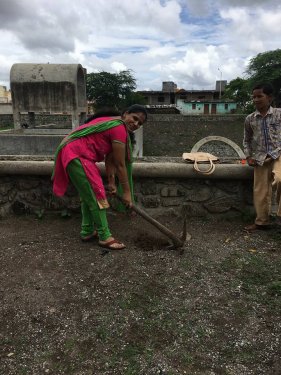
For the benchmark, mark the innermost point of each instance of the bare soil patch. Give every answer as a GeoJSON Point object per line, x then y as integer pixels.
{"type": "Point", "coordinates": [69, 307]}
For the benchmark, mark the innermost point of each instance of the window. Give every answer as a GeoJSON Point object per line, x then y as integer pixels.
{"type": "Point", "coordinates": [161, 99]}
{"type": "Point", "coordinates": [193, 106]}
{"type": "Point", "coordinates": [201, 97]}
{"type": "Point", "coordinates": [225, 105]}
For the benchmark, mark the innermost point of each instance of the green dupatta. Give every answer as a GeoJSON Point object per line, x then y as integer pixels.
{"type": "Point", "coordinates": [98, 128]}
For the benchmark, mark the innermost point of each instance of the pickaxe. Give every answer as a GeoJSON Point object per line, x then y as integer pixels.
{"type": "Point", "coordinates": [177, 242]}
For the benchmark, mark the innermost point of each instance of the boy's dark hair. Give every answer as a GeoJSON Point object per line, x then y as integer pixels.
{"type": "Point", "coordinates": [267, 88]}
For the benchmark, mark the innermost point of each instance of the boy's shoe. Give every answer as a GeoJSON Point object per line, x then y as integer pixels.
{"type": "Point", "coordinates": [278, 221]}
{"type": "Point", "coordinates": [253, 227]}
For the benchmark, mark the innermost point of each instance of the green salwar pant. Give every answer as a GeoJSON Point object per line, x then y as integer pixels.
{"type": "Point", "coordinates": [93, 217]}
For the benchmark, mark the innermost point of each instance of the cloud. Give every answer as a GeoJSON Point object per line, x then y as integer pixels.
{"type": "Point", "coordinates": [118, 66]}
{"type": "Point", "coordinates": [159, 40]}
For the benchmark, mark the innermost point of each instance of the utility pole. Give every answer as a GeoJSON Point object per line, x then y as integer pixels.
{"type": "Point", "coordinates": [220, 82]}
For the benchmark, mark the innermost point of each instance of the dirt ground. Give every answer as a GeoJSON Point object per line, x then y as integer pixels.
{"type": "Point", "coordinates": [68, 307]}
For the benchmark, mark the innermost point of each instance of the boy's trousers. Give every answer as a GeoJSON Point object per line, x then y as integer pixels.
{"type": "Point", "coordinates": [266, 178]}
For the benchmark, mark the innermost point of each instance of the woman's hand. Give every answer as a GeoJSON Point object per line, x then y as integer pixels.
{"type": "Point", "coordinates": [127, 200]}
{"type": "Point", "coordinates": [112, 189]}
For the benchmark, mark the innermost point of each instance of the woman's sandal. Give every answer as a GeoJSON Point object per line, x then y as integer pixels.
{"type": "Point", "coordinates": [91, 237]}
{"type": "Point", "coordinates": [108, 245]}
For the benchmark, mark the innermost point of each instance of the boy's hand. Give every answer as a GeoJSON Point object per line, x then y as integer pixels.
{"type": "Point", "coordinates": [251, 162]}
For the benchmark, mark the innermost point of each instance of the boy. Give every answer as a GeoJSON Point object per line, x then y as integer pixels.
{"type": "Point", "coordinates": [262, 147]}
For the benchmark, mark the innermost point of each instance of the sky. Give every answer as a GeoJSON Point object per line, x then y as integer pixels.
{"type": "Point", "coordinates": [190, 42]}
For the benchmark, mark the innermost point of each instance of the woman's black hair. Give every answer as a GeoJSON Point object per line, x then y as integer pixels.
{"type": "Point", "coordinates": [103, 112]}
{"type": "Point", "coordinates": [136, 108]}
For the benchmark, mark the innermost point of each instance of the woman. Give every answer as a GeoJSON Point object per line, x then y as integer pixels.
{"type": "Point", "coordinates": [102, 138]}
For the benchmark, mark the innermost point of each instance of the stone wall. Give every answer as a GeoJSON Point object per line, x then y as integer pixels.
{"type": "Point", "coordinates": [23, 194]}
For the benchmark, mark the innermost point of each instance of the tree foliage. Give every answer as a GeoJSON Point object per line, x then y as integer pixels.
{"type": "Point", "coordinates": [239, 91]}
{"type": "Point", "coordinates": [265, 67]}
{"type": "Point", "coordinates": [114, 90]}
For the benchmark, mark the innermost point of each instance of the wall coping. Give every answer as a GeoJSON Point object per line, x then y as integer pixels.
{"type": "Point", "coordinates": [141, 169]}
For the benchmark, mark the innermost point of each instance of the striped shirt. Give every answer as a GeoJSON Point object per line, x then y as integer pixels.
{"type": "Point", "coordinates": [262, 135]}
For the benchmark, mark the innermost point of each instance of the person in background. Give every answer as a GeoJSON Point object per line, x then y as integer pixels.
{"type": "Point", "coordinates": [262, 147]}
{"type": "Point", "coordinates": [104, 137]}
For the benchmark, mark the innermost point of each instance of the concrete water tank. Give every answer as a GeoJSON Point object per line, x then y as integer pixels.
{"type": "Point", "coordinates": [48, 88]}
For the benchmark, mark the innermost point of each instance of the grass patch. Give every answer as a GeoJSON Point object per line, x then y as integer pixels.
{"type": "Point", "coordinates": [258, 275]}
{"type": "Point", "coordinates": [256, 271]}
{"type": "Point", "coordinates": [274, 289]}
{"type": "Point", "coordinates": [23, 371]}
{"type": "Point", "coordinates": [6, 127]}
{"type": "Point", "coordinates": [276, 235]}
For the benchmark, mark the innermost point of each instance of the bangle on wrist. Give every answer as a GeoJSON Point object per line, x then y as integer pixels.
{"type": "Point", "coordinates": [123, 182]}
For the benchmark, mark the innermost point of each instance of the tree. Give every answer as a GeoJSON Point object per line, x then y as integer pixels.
{"type": "Point", "coordinates": [266, 67]}
{"type": "Point", "coordinates": [133, 98]}
{"type": "Point", "coordinates": [239, 91]}
{"type": "Point", "coordinates": [110, 89]}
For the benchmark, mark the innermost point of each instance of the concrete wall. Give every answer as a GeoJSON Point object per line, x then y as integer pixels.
{"type": "Point", "coordinates": [59, 120]}
{"type": "Point", "coordinates": [19, 144]}
{"type": "Point", "coordinates": [171, 135]}
{"type": "Point", "coordinates": [6, 109]}
{"type": "Point", "coordinates": [164, 135]}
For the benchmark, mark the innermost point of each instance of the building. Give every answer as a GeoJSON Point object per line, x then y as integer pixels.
{"type": "Point", "coordinates": [192, 102]}
{"type": "Point", "coordinates": [5, 95]}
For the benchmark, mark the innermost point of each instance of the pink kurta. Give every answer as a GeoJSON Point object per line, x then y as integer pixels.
{"type": "Point", "coordinates": [89, 150]}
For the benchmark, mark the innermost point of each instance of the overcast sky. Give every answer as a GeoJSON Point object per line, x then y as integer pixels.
{"type": "Point", "coordinates": [191, 42]}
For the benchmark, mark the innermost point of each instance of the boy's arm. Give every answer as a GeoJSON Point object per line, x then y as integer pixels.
{"type": "Point", "coordinates": [247, 142]}
{"type": "Point", "coordinates": [248, 136]}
